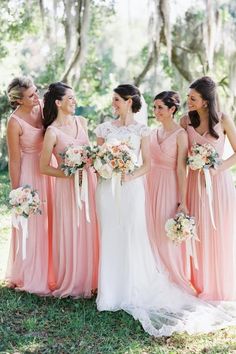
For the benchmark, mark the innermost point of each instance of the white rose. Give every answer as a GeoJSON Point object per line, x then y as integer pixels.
{"type": "Point", "coordinates": [105, 171]}
{"type": "Point", "coordinates": [169, 224]}
{"type": "Point", "coordinates": [196, 162]}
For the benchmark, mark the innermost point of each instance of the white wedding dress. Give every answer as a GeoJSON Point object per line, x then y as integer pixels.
{"type": "Point", "coordinates": [129, 277]}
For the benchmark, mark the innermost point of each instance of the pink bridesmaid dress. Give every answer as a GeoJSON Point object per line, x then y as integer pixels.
{"type": "Point", "coordinates": [33, 274]}
{"type": "Point", "coordinates": [75, 240]}
{"type": "Point", "coordinates": [216, 277]}
{"type": "Point", "coordinates": [162, 200]}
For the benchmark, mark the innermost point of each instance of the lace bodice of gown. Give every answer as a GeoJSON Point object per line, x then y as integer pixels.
{"type": "Point", "coordinates": [132, 134]}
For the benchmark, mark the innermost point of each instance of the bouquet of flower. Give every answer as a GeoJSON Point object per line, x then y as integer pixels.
{"type": "Point", "coordinates": [114, 157]}
{"type": "Point", "coordinates": [202, 156]}
{"type": "Point", "coordinates": [75, 158]}
{"type": "Point", "coordinates": [180, 228]}
{"type": "Point", "coordinates": [25, 201]}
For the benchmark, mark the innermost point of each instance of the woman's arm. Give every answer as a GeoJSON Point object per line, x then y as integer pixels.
{"type": "Point", "coordinates": [46, 155]}
{"type": "Point", "coordinates": [14, 152]}
{"type": "Point", "coordinates": [145, 167]}
{"type": "Point", "coordinates": [230, 129]}
{"type": "Point", "coordinates": [183, 122]}
{"type": "Point", "coordinates": [182, 146]}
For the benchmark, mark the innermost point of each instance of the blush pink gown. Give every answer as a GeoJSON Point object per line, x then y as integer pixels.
{"type": "Point", "coordinates": [34, 274]}
{"type": "Point", "coordinates": [75, 241]}
{"type": "Point", "coordinates": [216, 278]}
{"type": "Point", "coordinates": [162, 199]}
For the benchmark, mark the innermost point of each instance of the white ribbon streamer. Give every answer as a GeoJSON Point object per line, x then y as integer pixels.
{"type": "Point", "coordinates": [209, 193]}
{"type": "Point", "coordinates": [77, 190]}
{"type": "Point", "coordinates": [84, 193]}
{"type": "Point", "coordinates": [191, 252]}
{"type": "Point", "coordinates": [17, 221]}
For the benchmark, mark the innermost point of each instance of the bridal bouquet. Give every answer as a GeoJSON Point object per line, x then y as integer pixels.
{"type": "Point", "coordinates": [25, 202]}
{"type": "Point", "coordinates": [202, 156]}
{"type": "Point", "coordinates": [114, 157]}
{"type": "Point", "coordinates": [180, 228]}
{"type": "Point", "coordinates": [75, 158]}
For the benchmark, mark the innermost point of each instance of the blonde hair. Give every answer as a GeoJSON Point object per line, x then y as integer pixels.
{"type": "Point", "coordinates": [16, 88]}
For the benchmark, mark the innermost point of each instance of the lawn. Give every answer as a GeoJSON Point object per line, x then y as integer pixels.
{"type": "Point", "coordinates": [31, 324]}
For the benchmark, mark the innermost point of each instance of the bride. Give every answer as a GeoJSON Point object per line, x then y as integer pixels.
{"type": "Point", "coordinates": [129, 277]}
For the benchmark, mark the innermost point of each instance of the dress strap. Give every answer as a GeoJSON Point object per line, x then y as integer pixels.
{"type": "Point", "coordinates": [80, 124]}
{"type": "Point", "coordinates": [18, 119]}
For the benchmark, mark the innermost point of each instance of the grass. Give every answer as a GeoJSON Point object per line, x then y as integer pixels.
{"type": "Point", "coordinates": [31, 324]}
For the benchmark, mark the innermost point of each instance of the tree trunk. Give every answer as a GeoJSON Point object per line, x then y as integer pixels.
{"type": "Point", "coordinates": [76, 61]}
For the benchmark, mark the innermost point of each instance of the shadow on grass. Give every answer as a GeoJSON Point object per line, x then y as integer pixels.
{"type": "Point", "coordinates": [31, 324]}
{"type": "Point", "coordinates": [48, 325]}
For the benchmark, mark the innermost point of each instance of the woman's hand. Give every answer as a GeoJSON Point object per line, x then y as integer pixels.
{"type": "Point", "coordinates": [182, 208]}
{"type": "Point", "coordinates": [126, 177]}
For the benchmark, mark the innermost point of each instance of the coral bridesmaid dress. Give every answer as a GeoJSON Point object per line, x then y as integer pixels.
{"type": "Point", "coordinates": [75, 241]}
{"type": "Point", "coordinates": [33, 274]}
{"type": "Point", "coordinates": [216, 278]}
{"type": "Point", "coordinates": [162, 199]}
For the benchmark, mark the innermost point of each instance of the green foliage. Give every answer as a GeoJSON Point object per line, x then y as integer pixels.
{"type": "Point", "coordinates": [52, 70]}
{"type": "Point", "coordinates": [48, 325]}
{"type": "Point", "coordinates": [4, 192]}
{"type": "Point", "coordinates": [17, 19]}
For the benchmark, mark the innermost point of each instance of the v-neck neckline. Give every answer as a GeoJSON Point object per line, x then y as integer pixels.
{"type": "Point", "coordinates": [77, 131]}
{"type": "Point", "coordinates": [21, 119]}
{"type": "Point", "coordinates": [167, 137]}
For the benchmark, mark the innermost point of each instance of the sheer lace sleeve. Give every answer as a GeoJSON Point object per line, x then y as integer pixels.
{"type": "Point", "coordinates": [102, 129]}
{"type": "Point", "coordinates": [144, 131]}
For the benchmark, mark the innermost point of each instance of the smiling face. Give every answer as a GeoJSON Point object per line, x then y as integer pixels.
{"type": "Point", "coordinates": [120, 105]}
{"type": "Point", "coordinates": [195, 101]}
{"type": "Point", "coordinates": [30, 97]}
{"type": "Point", "coordinates": [68, 102]}
{"type": "Point", "coordinates": [161, 111]}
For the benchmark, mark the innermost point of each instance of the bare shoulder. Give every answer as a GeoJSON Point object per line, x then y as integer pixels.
{"type": "Point", "coordinates": [13, 125]}
{"type": "Point", "coordinates": [184, 121]}
{"type": "Point", "coordinates": [224, 117]}
{"type": "Point", "coordinates": [182, 137]}
{"type": "Point", "coordinates": [82, 120]}
{"type": "Point", "coordinates": [50, 134]}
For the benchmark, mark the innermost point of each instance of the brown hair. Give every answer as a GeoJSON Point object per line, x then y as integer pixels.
{"type": "Point", "coordinates": [169, 98]}
{"type": "Point", "coordinates": [127, 91]}
{"type": "Point", "coordinates": [206, 87]}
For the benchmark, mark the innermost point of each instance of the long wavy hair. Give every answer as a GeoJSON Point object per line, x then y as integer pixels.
{"type": "Point", "coordinates": [55, 91]}
{"type": "Point", "coordinates": [206, 87]}
{"type": "Point", "coordinates": [169, 98]}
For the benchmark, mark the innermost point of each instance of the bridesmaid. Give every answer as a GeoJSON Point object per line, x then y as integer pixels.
{"type": "Point", "coordinates": [75, 241]}
{"type": "Point", "coordinates": [167, 185]}
{"type": "Point", "coordinates": [216, 278]}
{"type": "Point", "coordinates": [25, 138]}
